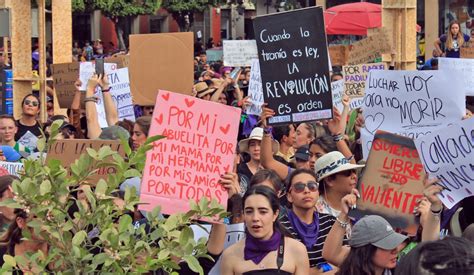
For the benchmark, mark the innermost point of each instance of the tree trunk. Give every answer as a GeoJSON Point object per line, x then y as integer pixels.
{"type": "Point", "coordinates": [119, 31]}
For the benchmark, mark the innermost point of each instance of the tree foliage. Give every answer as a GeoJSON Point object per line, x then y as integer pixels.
{"type": "Point", "coordinates": [118, 8]}
{"type": "Point", "coordinates": [92, 234]}
{"type": "Point", "coordinates": [183, 11]}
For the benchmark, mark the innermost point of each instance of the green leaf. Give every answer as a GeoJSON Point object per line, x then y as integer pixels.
{"type": "Point", "coordinates": [125, 222]}
{"type": "Point", "coordinates": [193, 264]}
{"type": "Point", "coordinates": [41, 144]}
{"type": "Point", "coordinates": [9, 260]}
{"type": "Point", "coordinates": [185, 236]}
{"type": "Point", "coordinates": [132, 173]}
{"type": "Point", "coordinates": [101, 187]}
{"type": "Point", "coordinates": [45, 187]}
{"type": "Point", "coordinates": [79, 237]}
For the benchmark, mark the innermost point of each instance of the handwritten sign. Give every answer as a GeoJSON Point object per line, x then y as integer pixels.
{"type": "Point", "coordinates": [463, 67]}
{"type": "Point", "coordinates": [337, 88]}
{"type": "Point", "coordinates": [370, 48]}
{"type": "Point", "coordinates": [255, 89]}
{"type": "Point", "coordinates": [239, 53]}
{"type": "Point", "coordinates": [121, 95]}
{"type": "Point", "coordinates": [13, 168]}
{"type": "Point", "coordinates": [338, 54]}
{"type": "Point", "coordinates": [355, 77]}
{"type": "Point", "coordinates": [87, 69]}
{"type": "Point", "coordinates": [448, 154]}
{"type": "Point", "coordinates": [392, 181]}
{"type": "Point", "coordinates": [411, 103]}
{"type": "Point", "coordinates": [294, 65]}
{"type": "Point", "coordinates": [467, 52]}
{"type": "Point", "coordinates": [68, 150]}
{"type": "Point", "coordinates": [200, 146]}
{"type": "Point", "coordinates": [214, 55]}
{"type": "Point", "coordinates": [64, 77]}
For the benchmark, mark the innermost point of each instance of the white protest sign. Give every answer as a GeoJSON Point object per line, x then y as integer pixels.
{"type": "Point", "coordinates": [121, 95]}
{"type": "Point", "coordinates": [448, 154]}
{"type": "Point", "coordinates": [255, 89]}
{"type": "Point", "coordinates": [29, 140]}
{"type": "Point", "coordinates": [12, 167]}
{"type": "Point", "coordinates": [239, 53]}
{"type": "Point", "coordinates": [337, 88]}
{"type": "Point", "coordinates": [356, 102]}
{"type": "Point", "coordinates": [463, 67]}
{"type": "Point", "coordinates": [87, 69]}
{"type": "Point", "coordinates": [411, 103]}
{"type": "Point", "coordinates": [234, 233]}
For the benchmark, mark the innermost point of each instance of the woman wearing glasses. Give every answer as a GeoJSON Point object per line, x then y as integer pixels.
{"type": "Point", "coordinates": [303, 221]}
{"type": "Point", "coordinates": [30, 107]}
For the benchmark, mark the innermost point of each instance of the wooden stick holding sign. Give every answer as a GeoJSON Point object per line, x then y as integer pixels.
{"type": "Point", "coordinates": [201, 137]}
{"type": "Point", "coordinates": [392, 181]}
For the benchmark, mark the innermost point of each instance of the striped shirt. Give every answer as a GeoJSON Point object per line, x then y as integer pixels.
{"type": "Point", "coordinates": [315, 254]}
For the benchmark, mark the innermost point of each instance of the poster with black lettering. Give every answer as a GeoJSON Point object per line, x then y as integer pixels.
{"type": "Point", "coordinates": [411, 103]}
{"type": "Point", "coordinates": [392, 182]}
{"type": "Point", "coordinates": [293, 56]}
{"type": "Point", "coordinates": [448, 154]}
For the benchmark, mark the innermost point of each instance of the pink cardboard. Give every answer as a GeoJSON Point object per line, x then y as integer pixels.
{"type": "Point", "coordinates": [200, 143]}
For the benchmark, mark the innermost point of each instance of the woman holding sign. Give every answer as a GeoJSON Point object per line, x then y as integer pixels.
{"type": "Point", "coordinates": [453, 41]}
{"type": "Point", "coordinates": [265, 250]}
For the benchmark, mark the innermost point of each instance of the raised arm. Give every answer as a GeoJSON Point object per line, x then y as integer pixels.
{"type": "Point", "coordinates": [337, 127]}
{"type": "Point", "coordinates": [430, 209]}
{"type": "Point", "coordinates": [93, 127]}
{"type": "Point", "coordinates": [111, 112]}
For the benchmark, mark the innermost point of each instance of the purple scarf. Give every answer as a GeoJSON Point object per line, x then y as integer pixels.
{"type": "Point", "coordinates": [308, 233]}
{"type": "Point", "coordinates": [256, 249]}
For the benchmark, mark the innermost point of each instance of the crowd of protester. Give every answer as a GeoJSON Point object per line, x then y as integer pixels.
{"type": "Point", "coordinates": [293, 186]}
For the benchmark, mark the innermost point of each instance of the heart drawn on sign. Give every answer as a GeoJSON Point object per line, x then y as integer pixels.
{"type": "Point", "coordinates": [189, 103]}
{"type": "Point", "coordinates": [159, 119]}
{"type": "Point", "coordinates": [372, 123]}
{"type": "Point", "coordinates": [225, 129]}
{"type": "Point", "coordinates": [226, 169]}
{"type": "Point", "coordinates": [165, 96]}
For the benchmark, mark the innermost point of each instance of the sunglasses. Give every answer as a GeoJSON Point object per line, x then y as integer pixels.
{"type": "Point", "coordinates": [347, 173]}
{"type": "Point", "coordinates": [31, 102]}
{"type": "Point", "coordinates": [300, 187]}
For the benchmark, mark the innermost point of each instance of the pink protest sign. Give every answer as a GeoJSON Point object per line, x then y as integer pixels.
{"type": "Point", "coordinates": [200, 143]}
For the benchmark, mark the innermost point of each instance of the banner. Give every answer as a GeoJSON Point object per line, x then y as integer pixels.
{"type": "Point", "coordinates": [448, 154]}
{"type": "Point", "coordinates": [369, 49]}
{"type": "Point", "coordinates": [69, 150]}
{"type": "Point", "coordinates": [13, 168]}
{"type": "Point", "coordinates": [338, 54]}
{"type": "Point", "coordinates": [160, 61]}
{"type": "Point", "coordinates": [255, 89]}
{"type": "Point", "coordinates": [355, 77]}
{"type": "Point", "coordinates": [239, 53]}
{"type": "Point", "coordinates": [200, 143]}
{"type": "Point", "coordinates": [411, 103]}
{"type": "Point", "coordinates": [392, 182]}
{"type": "Point", "coordinates": [294, 65]}
{"type": "Point", "coordinates": [463, 67]}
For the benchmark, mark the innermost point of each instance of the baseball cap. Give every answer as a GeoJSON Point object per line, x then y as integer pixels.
{"type": "Point", "coordinates": [377, 231]}
{"type": "Point", "coordinates": [302, 154]}
{"type": "Point", "coordinates": [10, 154]}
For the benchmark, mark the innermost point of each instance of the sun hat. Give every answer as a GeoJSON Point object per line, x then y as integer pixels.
{"type": "Point", "coordinates": [256, 134]}
{"type": "Point", "coordinates": [202, 89]}
{"type": "Point", "coordinates": [332, 163]}
{"type": "Point", "coordinates": [377, 231]}
{"type": "Point", "coordinates": [302, 154]}
{"type": "Point", "coordinates": [114, 132]}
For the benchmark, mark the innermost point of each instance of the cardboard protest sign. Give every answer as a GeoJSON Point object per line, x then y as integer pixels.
{"type": "Point", "coordinates": [355, 77]}
{"type": "Point", "coordinates": [338, 54]}
{"type": "Point", "coordinates": [214, 54]}
{"type": "Point", "coordinates": [392, 182]}
{"type": "Point", "coordinates": [463, 67]}
{"type": "Point", "coordinates": [160, 61]}
{"type": "Point", "coordinates": [121, 60]}
{"type": "Point", "coordinates": [411, 103]}
{"type": "Point", "coordinates": [13, 168]}
{"type": "Point", "coordinates": [201, 138]}
{"type": "Point", "coordinates": [294, 65]}
{"type": "Point", "coordinates": [337, 88]}
{"type": "Point", "coordinates": [234, 233]}
{"type": "Point", "coordinates": [69, 150]}
{"type": "Point", "coordinates": [370, 48]}
{"type": "Point", "coordinates": [448, 154]}
{"type": "Point", "coordinates": [239, 53]}
{"type": "Point", "coordinates": [121, 95]}
{"type": "Point", "coordinates": [467, 52]}
{"type": "Point", "coordinates": [255, 89]}
{"type": "Point", "coordinates": [64, 77]}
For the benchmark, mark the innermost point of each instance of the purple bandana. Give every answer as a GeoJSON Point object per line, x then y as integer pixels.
{"type": "Point", "coordinates": [256, 249]}
{"type": "Point", "coordinates": [308, 233]}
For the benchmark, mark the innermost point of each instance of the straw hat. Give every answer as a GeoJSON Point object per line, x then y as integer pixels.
{"type": "Point", "coordinates": [332, 163]}
{"type": "Point", "coordinates": [256, 134]}
{"type": "Point", "coordinates": [202, 89]}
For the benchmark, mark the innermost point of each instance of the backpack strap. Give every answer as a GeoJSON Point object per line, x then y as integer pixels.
{"type": "Point", "coordinates": [281, 252]}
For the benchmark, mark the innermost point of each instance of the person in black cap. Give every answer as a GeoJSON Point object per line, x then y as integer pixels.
{"type": "Point", "coordinates": [302, 157]}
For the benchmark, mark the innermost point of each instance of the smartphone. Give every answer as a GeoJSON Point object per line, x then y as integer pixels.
{"type": "Point", "coordinates": [99, 66]}
{"type": "Point", "coordinates": [235, 73]}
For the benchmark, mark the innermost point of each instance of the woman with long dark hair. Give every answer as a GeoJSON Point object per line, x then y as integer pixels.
{"type": "Point", "coordinates": [265, 249]}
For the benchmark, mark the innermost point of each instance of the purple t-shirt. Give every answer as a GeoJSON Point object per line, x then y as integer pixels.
{"type": "Point", "coordinates": [454, 53]}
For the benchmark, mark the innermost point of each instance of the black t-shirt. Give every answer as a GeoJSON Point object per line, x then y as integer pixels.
{"type": "Point", "coordinates": [23, 129]}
